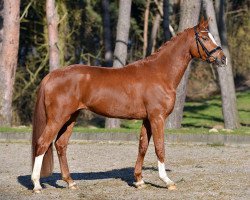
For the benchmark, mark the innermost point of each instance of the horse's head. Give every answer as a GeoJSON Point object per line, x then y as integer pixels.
{"type": "Point", "coordinates": [205, 47]}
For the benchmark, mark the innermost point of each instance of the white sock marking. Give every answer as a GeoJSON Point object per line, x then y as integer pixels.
{"type": "Point", "coordinates": [36, 172]}
{"type": "Point", "coordinates": [212, 38]}
{"type": "Point", "coordinates": [139, 183]}
{"type": "Point", "coordinates": [163, 174]}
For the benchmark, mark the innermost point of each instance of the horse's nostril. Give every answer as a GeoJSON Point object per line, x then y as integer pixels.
{"type": "Point", "coordinates": [223, 59]}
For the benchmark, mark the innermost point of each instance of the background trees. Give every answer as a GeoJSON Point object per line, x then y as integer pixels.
{"type": "Point", "coordinates": [1, 23]}
{"type": "Point", "coordinates": [189, 11]}
{"type": "Point", "coordinates": [108, 55]}
{"type": "Point", "coordinates": [229, 107]}
{"type": "Point", "coordinates": [52, 23]}
{"type": "Point", "coordinates": [83, 34]}
{"type": "Point", "coordinates": [167, 33]}
{"type": "Point", "coordinates": [225, 75]}
{"type": "Point", "coordinates": [8, 58]}
{"type": "Point", "coordinates": [121, 45]}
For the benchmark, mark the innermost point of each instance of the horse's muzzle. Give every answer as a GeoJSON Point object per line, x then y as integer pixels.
{"type": "Point", "coordinates": [221, 62]}
{"type": "Point", "coordinates": [224, 60]}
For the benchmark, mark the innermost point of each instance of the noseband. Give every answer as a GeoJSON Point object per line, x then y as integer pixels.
{"type": "Point", "coordinates": [208, 53]}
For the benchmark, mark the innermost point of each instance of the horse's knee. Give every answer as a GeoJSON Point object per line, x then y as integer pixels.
{"type": "Point", "coordinates": [60, 148]}
{"type": "Point", "coordinates": [143, 150]}
{"type": "Point", "coordinates": [41, 147]}
{"type": "Point", "coordinates": [143, 145]}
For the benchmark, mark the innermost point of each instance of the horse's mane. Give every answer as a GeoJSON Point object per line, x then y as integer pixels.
{"type": "Point", "coordinates": [162, 47]}
{"type": "Point", "coordinates": [167, 43]}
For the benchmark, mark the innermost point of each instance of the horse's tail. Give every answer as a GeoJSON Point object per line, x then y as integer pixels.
{"type": "Point", "coordinates": [39, 123]}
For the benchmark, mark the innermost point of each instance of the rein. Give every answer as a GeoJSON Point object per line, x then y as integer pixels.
{"type": "Point", "coordinates": [208, 53]}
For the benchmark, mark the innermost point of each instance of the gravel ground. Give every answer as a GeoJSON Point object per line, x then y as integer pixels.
{"type": "Point", "coordinates": [105, 171]}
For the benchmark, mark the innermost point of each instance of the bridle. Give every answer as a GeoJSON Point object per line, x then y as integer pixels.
{"type": "Point", "coordinates": [208, 53]}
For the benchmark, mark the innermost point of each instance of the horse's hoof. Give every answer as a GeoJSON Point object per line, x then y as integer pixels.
{"type": "Point", "coordinates": [73, 186]}
{"type": "Point", "coordinates": [37, 191]}
{"type": "Point", "coordinates": [171, 187]}
{"type": "Point", "coordinates": [140, 184]}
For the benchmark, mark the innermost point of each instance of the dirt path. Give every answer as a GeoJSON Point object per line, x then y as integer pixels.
{"type": "Point", "coordinates": [105, 171]}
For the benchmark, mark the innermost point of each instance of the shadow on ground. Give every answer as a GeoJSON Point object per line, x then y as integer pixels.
{"type": "Point", "coordinates": [125, 174]}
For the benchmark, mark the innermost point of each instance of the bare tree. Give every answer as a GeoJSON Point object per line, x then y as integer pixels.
{"type": "Point", "coordinates": [120, 53]}
{"type": "Point", "coordinates": [156, 24]}
{"type": "Point", "coordinates": [167, 33]}
{"type": "Point", "coordinates": [145, 31]}
{"type": "Point", "coordinates": [190, 11]}
{"type": "Point", "coordinates": [52, 21]}
{"type": "Point", "coordinates": [163, 11]}
{"type": "Point", "coordinates": [8, 58]}
{"type": "Point", "coordinates": [229, 105]}
{"type": "Point", "coordinates": [107, 33]}
{"type": "Point", "coordinates": [1, 23]}
{"type": "Point", "coordinates": [165, 14]}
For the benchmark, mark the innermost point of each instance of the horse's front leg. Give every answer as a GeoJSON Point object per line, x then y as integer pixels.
{"type": "Point", "coordinates": [143, 146]}
{"type": "Point", "coordinates": [157, 127]}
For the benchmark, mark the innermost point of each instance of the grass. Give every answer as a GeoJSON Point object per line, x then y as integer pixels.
{"type": "Point", "coordinates": [199, 117]}
{"type": "Point", "coordinates": [208, 113]}
{"type": "Point", "coordinates": [135, 129]}
{"type": "Point", "coordinates": [21, 129]}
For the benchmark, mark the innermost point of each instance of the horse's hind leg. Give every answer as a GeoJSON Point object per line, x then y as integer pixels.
{"type": "Point", "coordinates": [36, 173]}
{"type": "Point", "coordinates": [43, 143]}
{"type": "Point", "coordinates": [61, 147]}
{"type": "Point", "coordinates": [143, 146]}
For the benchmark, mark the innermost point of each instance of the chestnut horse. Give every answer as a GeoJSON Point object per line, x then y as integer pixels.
{"type": "Point", "coordinates": [145, 89]}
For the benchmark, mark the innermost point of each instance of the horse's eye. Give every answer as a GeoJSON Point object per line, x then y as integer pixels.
{"type": "Point", "coordinates": [205, 38]}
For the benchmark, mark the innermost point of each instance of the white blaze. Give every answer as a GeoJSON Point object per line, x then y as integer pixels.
{"type": "Point", "coordinates": [212, 38]}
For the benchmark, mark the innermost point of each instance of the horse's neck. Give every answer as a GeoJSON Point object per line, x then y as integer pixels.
{"type": "Point", "coordinates": [174, 59]}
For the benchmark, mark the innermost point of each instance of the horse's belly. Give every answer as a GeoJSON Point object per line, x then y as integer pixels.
{"type": "Point", "coordinates": [117, 110]}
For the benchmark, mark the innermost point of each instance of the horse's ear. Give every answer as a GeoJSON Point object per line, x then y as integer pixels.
{"type": "Point", "coordinates": [202, 20]}
{"type": "Point", "coordinates": [203, 23]}
{"type": "Point", "coordinates": [206, 23]}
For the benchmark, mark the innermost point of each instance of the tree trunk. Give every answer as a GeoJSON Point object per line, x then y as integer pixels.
{"type": "Point", "coordinates": [145, 31]}
{"type": "Point", "coordinates": [52, 21]}
{"type": "Point", "coordinates": [229, 105]}
{"type": "Point", "coordinates": [8, 58]}
{"type": "Point", "coordinates": [190, 11]}
{"type": "Point", "coordinates": [107, 33]}
{"type": "Point", "coordinates": [120, 53]}
{"type": "Point", "coordinates": [167, 33]}
{"type": "Point", "coordinates": [1, 23]}
{"type": "Point", "coordinates": [152, 41]}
